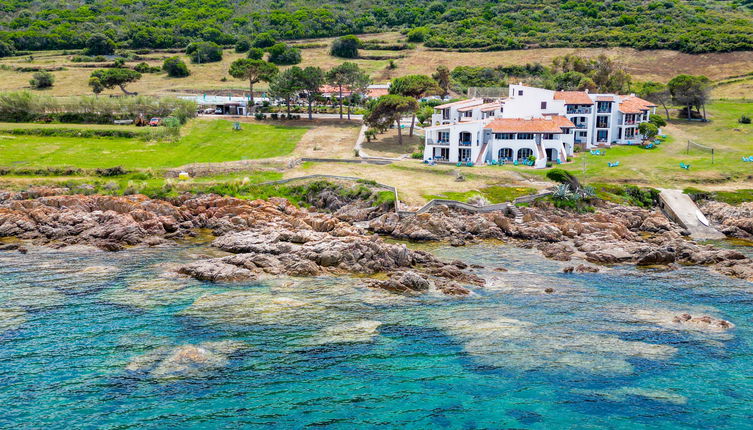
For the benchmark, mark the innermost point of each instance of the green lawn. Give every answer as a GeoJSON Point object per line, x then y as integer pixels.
{"type": "Point", "coordinates": [494, 194]}
{"type": "Point", "coordinates": [201, 141]}
{"type": "Point", "coordinates": [661, 166]}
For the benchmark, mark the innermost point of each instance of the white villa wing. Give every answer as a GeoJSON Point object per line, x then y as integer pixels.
{"type": "Point", "coordinates": [533, 123]}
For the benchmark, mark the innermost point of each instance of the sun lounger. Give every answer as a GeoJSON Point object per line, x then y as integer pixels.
{"type": "Point", "coordinates": [684, 166]}
{"type": "Point", "coordinates": [615, 164]}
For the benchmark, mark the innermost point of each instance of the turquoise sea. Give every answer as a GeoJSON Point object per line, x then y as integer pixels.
{"type": "Point", "coordinates": [596, 353]}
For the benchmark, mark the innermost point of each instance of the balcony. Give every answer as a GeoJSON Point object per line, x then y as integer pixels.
{"type": "Point", "coordinates": [633, 122]}
{"type": "Point", "coordinates": [575, 111]}
{"type": "Point", "coordinates": [602, 125]}
{"type": "Point", "coordinates": [465, 143]}
{"type": "Point", "coordinates": [581, 126]}
{"type": "Point", "coordinates": [438, 142]}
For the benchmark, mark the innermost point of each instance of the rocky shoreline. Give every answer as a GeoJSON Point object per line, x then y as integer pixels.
{"type": "Point", "coordinates": [266, 238]}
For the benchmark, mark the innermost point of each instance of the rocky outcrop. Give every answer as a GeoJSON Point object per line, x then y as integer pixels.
{"type": "Point", "coordinates": [276, 251]}
{"type": "Point", "coordinates": [734, 221]}
{"type": "Point", "coordinates": [613, 234]}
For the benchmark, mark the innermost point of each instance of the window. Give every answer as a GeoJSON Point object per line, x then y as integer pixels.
{"type": "Point", "coordinates": [504, 136]}
{"type": "Point", "coordinates": [524, 153]}
{"type": "Point", "coordinates": [525, 136]}
{"type": "Point", "coordinates": [543, 105]}
{"type": "Point", "coordinates": [520, 92]}
{"type": "Point", "coordinates": [468, 114]}
{"type": "Point", "coordinates": [444, 136]}
{"type": "Point", "coordinates": [548, 136]}
{"type": "Point", "coordinates": [582, 133]}
{"type": "Point", "coordinates": [505, 153]}
{"type": "Point", "coordinates": [602, 121]}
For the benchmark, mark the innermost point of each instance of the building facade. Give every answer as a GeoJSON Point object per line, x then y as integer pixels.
{"type": "Point", "coordinates": [533, 124]}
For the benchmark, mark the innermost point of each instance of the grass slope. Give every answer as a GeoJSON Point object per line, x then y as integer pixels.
{"type": "Point", "coordinates": [201, 141]}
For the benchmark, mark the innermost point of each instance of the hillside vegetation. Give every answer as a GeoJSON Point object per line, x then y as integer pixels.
{"type": "Point", "coordinates": [687, 26]}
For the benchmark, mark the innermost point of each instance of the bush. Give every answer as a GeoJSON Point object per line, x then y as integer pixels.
{"type": "Point", "coordinates": [264, 40]}
{"type": "Point", "coordinates": [260, 116]}
{"type": "Point", "coordinates": [657, 120]}
{"type": "Point", "coordinates": [345, 47]}
{"type": "Point", "coordinates": [418, 34]}
{"type": "Point", "coordinates": [204, 52]}
{"type": "Point", "coordinates": [744, 119]}
{"type": "Point", "coordinates": [99, 44]}
{"type": "Point", "coordinates": [6, 49]}
{"type": "Point", "coordinates": [242, 45]}
{"type": "Point", "coordinates": [417, 155]}
{"type": "Point", "coordinates": [111, 171]}
{"type": "Point", "coordinates": [255, 54]}
{"type": "Point", "coordinates": [146, 68]}
{"type": "Point", "coordinates": [282, 54]}
{"type": "Point", "coordinates": [41, 80]}
{"type": "Point", "coordinates": [175, 67]}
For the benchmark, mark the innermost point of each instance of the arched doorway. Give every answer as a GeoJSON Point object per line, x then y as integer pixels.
{"type": "Point", "coordinates": [504, 154]}
{"type": "Point", "coordinates": [524, 153]}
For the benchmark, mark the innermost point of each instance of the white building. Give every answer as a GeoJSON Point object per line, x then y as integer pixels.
{"type": "Point", "coordinates": [533, 123]}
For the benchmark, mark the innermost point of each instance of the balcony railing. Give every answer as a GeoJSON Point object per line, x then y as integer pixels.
{"type": "Point", "coordinates": [602, 125]}
{"type": "Point", "coordinates": [633, 122]}
{"type": "Point", "coordinates": [438, 142]}
{"type": "Point", "coordinates": [604, 109]}
{"type": "Point", "coordinates": [580, 125]}
{"type": "Point", "coordinates": [465, 143]}
{"type": "Point", "coordinates": [578, 111]}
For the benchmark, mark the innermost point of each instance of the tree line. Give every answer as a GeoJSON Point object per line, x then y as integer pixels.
{"type": "Point", "coordinates": [693, 27]}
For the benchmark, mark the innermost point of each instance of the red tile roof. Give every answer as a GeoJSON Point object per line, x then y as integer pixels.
{"type": "Point", "coordinates": [550, 124]}
{"type": "Point", "coordinates": [377, 92]}
{"type": "Point", "coordinates": [484, 107]}
{"type": "Point", "coordinates": [633, 104]}
{"type": "Point", "coordinates": [573, 97]}
{"type": "Point", "coordinates": [459, 102]}
{"type": "Point", "coordinates": [605, 98]}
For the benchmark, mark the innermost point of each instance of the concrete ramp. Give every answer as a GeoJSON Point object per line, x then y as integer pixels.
{"type": "Point", "coordinates": [683, 210]}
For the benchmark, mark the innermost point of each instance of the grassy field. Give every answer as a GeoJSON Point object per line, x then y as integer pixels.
{"type": "Point", "coordinates": [200, 141]}
{"type": "Point", "coordinates": [657, 65]}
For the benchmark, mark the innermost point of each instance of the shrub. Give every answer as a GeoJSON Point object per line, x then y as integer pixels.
{"type": "Point", "coordinates": [264, 40]}
{"type": "Point", "coordinates": [99, 44]}
{"type": "Point", "coordinates": [175, 67]}
{"type": "Point", "coordinates": [255, 54]}
{"type": "Point", "coordinates": [418, 34]}
{"type": "Point", "coordinates": [242, 45]}
{"type": "Point", "coordinates": [41, 80]}
{"type": "Point", "coordinates": [283, 54]}
{"type": "Point", "coordinates": [146, 68]}
{"type": "Point", "coordinates": [744, 119]}
{"type": "Point", "coordinates": [260, 116]}
{"type": "Point", "coordinates": [204, 52]}
{"type": "Point", "coordinates": [345, 47]}
{"type": "Point", "coordinates": [6, 49]}
{"type": "Point", "coordinates": [111, 171]}
{"type": "Point", "coordinates": [417, 155]}
{"type": "Point", "coordinates": [657, 120]}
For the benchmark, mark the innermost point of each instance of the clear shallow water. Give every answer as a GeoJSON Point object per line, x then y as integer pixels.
{"type": "Point", "coordinates": [587, 356]}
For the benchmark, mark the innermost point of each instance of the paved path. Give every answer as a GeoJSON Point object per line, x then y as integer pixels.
{"type": "Point", "coordinates": [683, 210]}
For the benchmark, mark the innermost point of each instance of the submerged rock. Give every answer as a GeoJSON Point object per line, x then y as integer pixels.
{"type": "Point", "coordinates": [11, 319]}
{"type": "Point", "coordinates": [362, 331]}
{"type": "Point", "coordinates": [625, 393]}
{"type": "Point", "coordinates": [681, 320]}
{"type": "Point", "coordinates": [150, 294]}
{"type": "Point", "coordinates": [253, 308]}
{"type": "Point", "coordinates": [186, 361]}
{"type": "Point", "coordinates": [34, 298]}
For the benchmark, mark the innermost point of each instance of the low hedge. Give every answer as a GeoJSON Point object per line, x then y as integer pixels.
{"type": "Point", "coordinates": [73, 132]}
